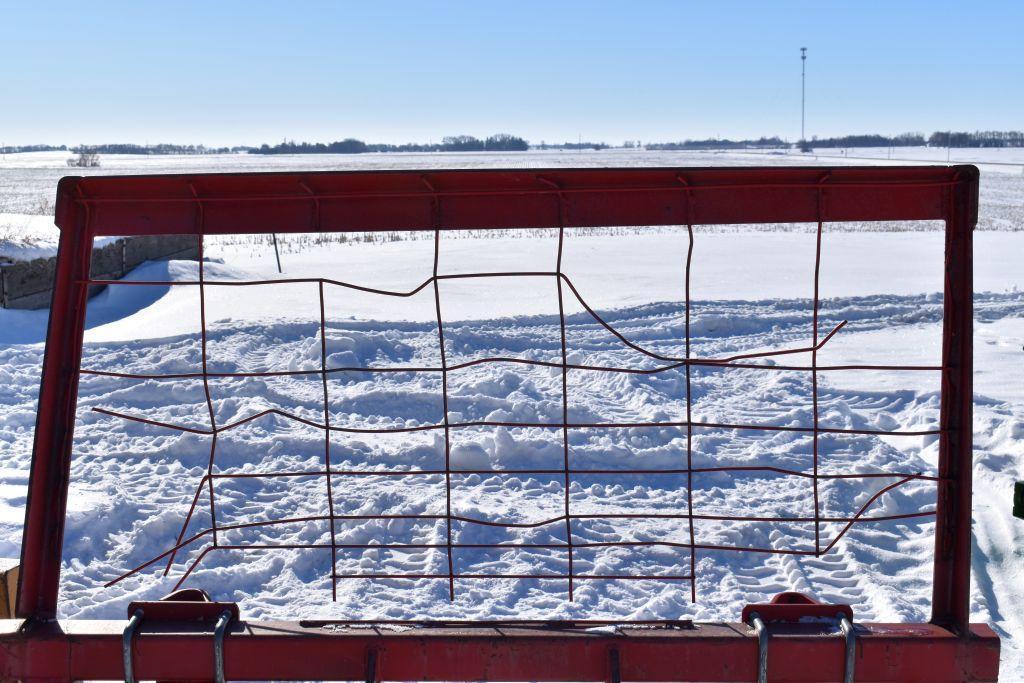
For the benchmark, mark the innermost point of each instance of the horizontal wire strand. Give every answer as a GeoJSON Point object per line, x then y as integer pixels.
{"type": "Point", "coordinates": [735, 361]}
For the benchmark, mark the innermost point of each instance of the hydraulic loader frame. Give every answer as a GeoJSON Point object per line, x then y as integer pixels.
{"type": "Point", "coordinates": [179, 641]}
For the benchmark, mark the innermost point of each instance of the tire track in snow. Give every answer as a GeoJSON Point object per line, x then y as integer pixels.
{"type": "Point", "coordinates": [120, 518]}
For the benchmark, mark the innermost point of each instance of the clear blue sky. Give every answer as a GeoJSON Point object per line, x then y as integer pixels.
{"type": "Point", "coordinates": [222, 72]}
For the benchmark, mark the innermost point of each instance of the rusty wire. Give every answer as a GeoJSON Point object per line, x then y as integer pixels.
{"type": "Point", "coordinates": [691, 545]}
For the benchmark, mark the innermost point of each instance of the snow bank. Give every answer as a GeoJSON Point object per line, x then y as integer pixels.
{"type": "Point", "coordinates": [24, 237]}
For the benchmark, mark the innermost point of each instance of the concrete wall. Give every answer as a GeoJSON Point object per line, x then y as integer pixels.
{"type": "Point", "coordinates": [28, 284]}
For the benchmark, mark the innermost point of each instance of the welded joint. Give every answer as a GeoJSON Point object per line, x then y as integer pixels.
{"type": "Point", "coordinates": [550, 183]}
{"type": "Point", "coordinates": [614, 669]}
{"type": "Point", "coordinates": [127, 639]}
{"type": "Point", "coordinates": [761, 631]}
{"type": "Point", "coordinates": [372, 665]}
{"type": "Point", "coordinates": [557, 187]}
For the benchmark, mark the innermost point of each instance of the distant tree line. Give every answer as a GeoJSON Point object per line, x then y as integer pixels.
{"type": "Point", "coordinates": [128, 148]}
{"type": "Point", "coordinates": [717, 143]}
{"type": "Point", "coordinates": [346, 146]}
{"type": "Point", "coordinates": [938, 139]}
{"type": "Point", "coordinates": [456, 143]}
{"type": "Point", "coordinates": [511, 143]}
{"type": "Point", "coordinates": [33, 148]}
{"type": "Point", "coordinates": [869, 140]}
{"type": "Point", "coordinates": [986, 138]}
{"type": "Point", "coordinates": [573, 145]}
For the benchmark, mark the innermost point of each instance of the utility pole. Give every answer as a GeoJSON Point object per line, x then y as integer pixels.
{"type": "Point", "coordinates": [803, 90]}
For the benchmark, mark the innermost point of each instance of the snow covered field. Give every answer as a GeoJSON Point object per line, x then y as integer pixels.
{"type": "Point", "coordinates": [133, 482]}
{"type": "Point", "coordinates": [28, 181]}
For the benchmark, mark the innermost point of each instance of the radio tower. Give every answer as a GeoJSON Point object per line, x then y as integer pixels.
{"type": "Point", "coordinates": [803, 89]}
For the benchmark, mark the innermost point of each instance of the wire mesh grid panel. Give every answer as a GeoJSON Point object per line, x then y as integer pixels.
{"type": "Point", "coordinates": [387, 454]}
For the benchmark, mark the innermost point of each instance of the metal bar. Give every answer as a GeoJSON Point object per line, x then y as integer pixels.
{"type": "Point", "coordinates": [952, 568]}
{"type": "Point", "coordinates": [565, 392]}
{"type": "Point", "coordinates": [761, 632]}
{"type": "Point", "coordinates": [360, 201]}
{"type": "Point", "coordinates": [679, 361]}
{"type": "Point", "coordinates": [45, 506]}
{"type": "Point", "coordinates": [849, 521]}
{"type": "Point", "coordinates": [219, 632]}
{"type": "Point", "coordinates": [209, 398]}
{"type": "Point", "coordinates": [328, 473]}
{"type": "Point", "coordinates": [710, 652]}
{"type": "Point", "coordinates": [603, 544]}
{"type": "Point", "coordinates": [523, 361]}
{"type": "Point", "coordinates": [444, 398]}
{"type": "Point", "coordinates": [549, 624]}
{"type": "Point", "coordinates": [502, 423]}
{"type": "Point", "coordinates": [127, 642]}
{"type": "Point", "coordinates": [277, 254]}
{"type": "Point", "coordinates": [185, 522]}
{"type": "Point", "coordinates": [814, 371]}
{"type": "Point", "coordinates": [849, 649]}
{"type": "Point", "coordinates": [689, 403]}
{"type": "Point", "coordinates": [511, 473]}
{"type": "Point", "coordinates": [206, 379]}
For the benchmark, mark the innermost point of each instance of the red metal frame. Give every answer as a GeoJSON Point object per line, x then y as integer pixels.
{"type": "Point", "coordinates": [947, 649]}
{"type": "Point", "coordinates": [900, 653]}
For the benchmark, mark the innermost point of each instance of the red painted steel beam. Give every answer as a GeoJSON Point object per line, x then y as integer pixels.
{"type": "Point", "coordinates": [43, 534]}
{"type": "Point", "coordinates": [708, 652]}
{"type": "Point", "coordinates": [403, 200]}
{"type": "Point", "coordinates": [951, 584]}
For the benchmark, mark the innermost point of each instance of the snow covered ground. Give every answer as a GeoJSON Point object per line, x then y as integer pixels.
{"type": "Point", "coordinates": [133, 482]}
{"type": "Point", "coordinates": [990, 158]}
{"type": "Point", "coordinates": [28, 181]}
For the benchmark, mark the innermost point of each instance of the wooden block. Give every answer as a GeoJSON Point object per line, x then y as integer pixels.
{"type": "Point", "coordinates": [8, 588]}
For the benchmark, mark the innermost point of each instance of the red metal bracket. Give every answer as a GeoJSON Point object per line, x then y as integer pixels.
{"type": "Point", "coordinates": [184, 609]}
{"type": "Point", "coordinates": [795, 607]}
{"type": "Point", "coordinates": [189, 604]}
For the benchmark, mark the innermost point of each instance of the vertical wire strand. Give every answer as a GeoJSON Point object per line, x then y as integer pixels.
{"type": "Point", "coordinates": [444, 398]}
{"type": "Point", "coordinates": [206, 375]}
{"type": "Point", "coordinates": [565, 391]}
{"type": "Point", "coordinates": [814, 376]}
{"type": "Point", "coordinates": [208, 480]}
{"type": "Point", "coordinates": [689, 408]}
{"type": "Point", "coordinates": [184, 525]}
{"type": "Point", "coordinates": [327, 443]}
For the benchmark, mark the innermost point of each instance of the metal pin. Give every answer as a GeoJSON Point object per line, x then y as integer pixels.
{"type": "Point", "coordinates": [126, 645]}
{"type": "Point", "coordinates": [850, 637]}
{"type": "Point", "coordinates": [762, 647]}
{"type": "Point", "coordinates": [219, 632]}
